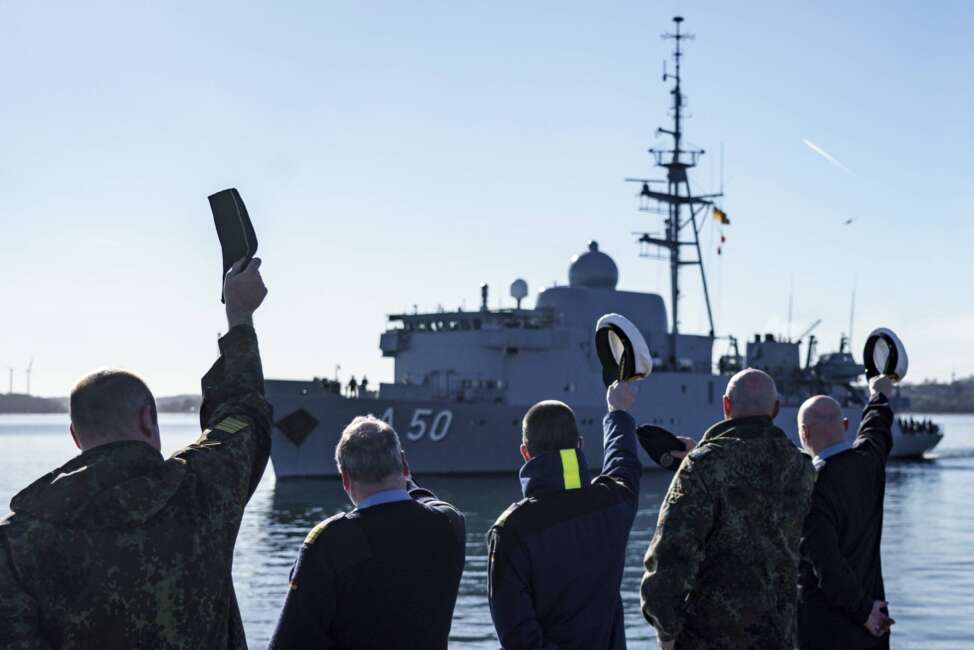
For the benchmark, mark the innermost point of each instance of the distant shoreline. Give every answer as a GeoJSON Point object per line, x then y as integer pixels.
{"type": "Point", "coordinates": [928, 398]}
{"type": "Point", "coordinates": [20, 404]}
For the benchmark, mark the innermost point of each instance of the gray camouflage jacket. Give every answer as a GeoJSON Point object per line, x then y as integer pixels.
{"type": "Point", "coordinates": [120, 548]}
{"type": "Point", "coordinates": [721, 570]}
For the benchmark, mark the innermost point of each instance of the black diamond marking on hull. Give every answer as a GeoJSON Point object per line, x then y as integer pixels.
{"type": "Point", "coordinates": [297, 426]}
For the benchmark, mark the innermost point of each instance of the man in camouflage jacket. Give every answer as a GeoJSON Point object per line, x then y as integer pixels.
{"type": "Point", "coordinates": [721, 569]}
{"type": "Point", "coordinates": [120, 548]}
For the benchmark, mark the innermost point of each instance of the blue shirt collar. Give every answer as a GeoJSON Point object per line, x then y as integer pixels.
{"type": "Point", "coordinates": [828, 452]}
{"type": "Point", "coordinates": [385, 496]}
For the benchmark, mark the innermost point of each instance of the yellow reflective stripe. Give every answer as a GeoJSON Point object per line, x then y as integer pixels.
{"type": "Point", "coordinates": [231, 424]}
{"type": "Point", "coordinates": [569, 466]}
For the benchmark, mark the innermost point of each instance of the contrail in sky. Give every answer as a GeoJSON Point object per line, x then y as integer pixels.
{"type": "Point", "coordinates": [825, 154]}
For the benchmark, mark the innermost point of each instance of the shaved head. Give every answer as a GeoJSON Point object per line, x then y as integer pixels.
{"type": "Point", "coordinates": [820, 423]}
{"type": "Point", "coordinates": [749, 393]}
{"type": "Point", "coordinates": [112, 405]}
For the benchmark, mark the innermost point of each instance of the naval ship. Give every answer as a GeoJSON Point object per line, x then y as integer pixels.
{"type": "Point", "coordinates": [464, 379]}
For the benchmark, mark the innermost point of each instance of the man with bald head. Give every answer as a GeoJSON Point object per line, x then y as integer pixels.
{"type": "Point", "coordinates": [722, 565]}
{"type": "Point", "coordinates": [841, 599]}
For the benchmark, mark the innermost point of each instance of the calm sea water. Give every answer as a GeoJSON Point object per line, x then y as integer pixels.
{"type": "Point", "coordinates": [927, 556]}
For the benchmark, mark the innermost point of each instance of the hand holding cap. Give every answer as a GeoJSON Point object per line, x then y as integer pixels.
{"type": "Point", "coordinates": [243, 290]}
{"type": "Point", "coordinates": [622, 350]}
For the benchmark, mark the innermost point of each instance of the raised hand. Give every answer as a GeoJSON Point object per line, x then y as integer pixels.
{"type": "Point", "coordinates": [689, 443]}
{"type": "Point", "coordinates": [881, 384]}
{"type": "Point", "coordinates": [620, 396]}
{"type": "Point", "coordinates": [243, 291]}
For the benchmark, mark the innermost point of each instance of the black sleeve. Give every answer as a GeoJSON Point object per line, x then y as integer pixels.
{"type": "Point", "coordinates": [509, 593]}
{"type": "Point", "coordinates": [875, 430]}
{"type": "Point", "coordinates": [820, 547]}
{"type": "Point", "coordinates": [309, 606]}
{"type": "Point", "coordinates": [621, 462]}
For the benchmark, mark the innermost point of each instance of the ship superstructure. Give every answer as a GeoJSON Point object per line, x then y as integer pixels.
{"type": "Point", "coordinates": [463, 379]}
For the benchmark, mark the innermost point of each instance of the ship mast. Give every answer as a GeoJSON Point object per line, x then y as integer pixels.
{"type": "Point", "coordinates": [678, 195]}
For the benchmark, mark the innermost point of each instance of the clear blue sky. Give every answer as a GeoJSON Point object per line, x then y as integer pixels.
{"type": "Point", "coordinates": [397, 153]}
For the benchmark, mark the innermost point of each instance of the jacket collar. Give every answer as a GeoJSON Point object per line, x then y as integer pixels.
{"type": "Point", "coordinates": [756, 426]}
{"type": "Point", "coordinates": [112, 485]}
{"type": "Point", "coordinates": [554, 471]}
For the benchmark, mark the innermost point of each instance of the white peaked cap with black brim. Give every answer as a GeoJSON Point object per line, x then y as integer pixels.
{"type": "Point", "coordinates": [621, 349]}
{"type": "Point", "coordinates": [884, 354]}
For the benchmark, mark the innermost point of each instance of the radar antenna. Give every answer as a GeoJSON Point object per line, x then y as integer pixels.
{"type": "Point", "coordinates": [676, 161]}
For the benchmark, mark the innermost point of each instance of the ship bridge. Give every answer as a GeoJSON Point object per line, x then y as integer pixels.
{"type": "Point", "coordinates": [518, 356]}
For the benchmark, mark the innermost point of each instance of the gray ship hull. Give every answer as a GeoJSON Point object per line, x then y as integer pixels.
{"type": "Point", "coordinates": [453, 437]}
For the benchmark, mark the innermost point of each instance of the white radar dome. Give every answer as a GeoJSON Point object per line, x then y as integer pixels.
{"type": "Point", "coordinates": [519, 291]}
{"type": "Point", "coordinates": [593, 269]}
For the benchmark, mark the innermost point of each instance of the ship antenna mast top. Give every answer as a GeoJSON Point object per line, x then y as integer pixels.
{"type": "Point", "coordinates": [677, 92]}
{"type": "Point", "coordinates": [678, 195]}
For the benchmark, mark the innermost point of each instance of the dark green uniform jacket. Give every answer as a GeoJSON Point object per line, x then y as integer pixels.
{"type": "Point", "coordinates": [120, 548]}
{"type": "Point", "coordinates": [721, 571]}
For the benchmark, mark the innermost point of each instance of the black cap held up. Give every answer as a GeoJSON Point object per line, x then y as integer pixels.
{"type": "Point", "coordinates": [659, 444]}
{"type": "Point", "coordinates": [237, 237]}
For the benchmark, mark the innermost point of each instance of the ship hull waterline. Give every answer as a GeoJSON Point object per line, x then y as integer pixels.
{"type": "Point", "coordinates": [442, 437]}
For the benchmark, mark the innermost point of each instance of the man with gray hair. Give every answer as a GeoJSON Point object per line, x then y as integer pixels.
{"type": "Point", "coordinates": [722, 565]}
{"type": "Point", "coordinates": [841, 598]}
{"type": "Point", "coordinates": [384, 575]}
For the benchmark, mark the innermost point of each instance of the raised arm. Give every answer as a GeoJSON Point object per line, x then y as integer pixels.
{"type": "Point", "coordinates": [232, 452]}
{"type": "Point", "coordinates": [620, 460]}
{"type": "Point", "coordinates": [677, 549]}
{"type": "Point", "coordinates": [875, 429]}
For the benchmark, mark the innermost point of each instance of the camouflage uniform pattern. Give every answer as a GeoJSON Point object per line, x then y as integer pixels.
{"type": "Point", "coordinates": [120, 548]}
{"type": "Point", "coordinates": [721, 570]}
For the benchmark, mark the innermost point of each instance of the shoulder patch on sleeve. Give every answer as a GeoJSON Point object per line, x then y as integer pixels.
{"type": "Point", "coordinates": [507, 513]}
{"type": "Point", "coordinates": [320, 528]}
{"type": "Point", "coordinates": [232, 424]}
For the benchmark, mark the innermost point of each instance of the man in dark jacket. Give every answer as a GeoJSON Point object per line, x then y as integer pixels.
{"type": "Point", "coordinates": [384, 575]}
{"type": "Point", "coordinates": [722, 566]}
{"type": "Point", "coordinates": [841, 601]}
{"type": "Point", "coordinates": [119, 548]}
{"type": "Point", "coordinates": [555, 558]}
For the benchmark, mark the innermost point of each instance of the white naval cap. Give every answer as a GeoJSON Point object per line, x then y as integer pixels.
{"type": "Point", "coordinates": [884, 354]}
{"type": "Point", "coordinates": [621, 349]}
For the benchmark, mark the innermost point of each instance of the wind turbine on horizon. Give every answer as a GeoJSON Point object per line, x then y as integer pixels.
{"type": "Point", "coordinates": [30, 369]}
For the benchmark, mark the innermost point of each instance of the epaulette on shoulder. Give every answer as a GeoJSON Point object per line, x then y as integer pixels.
{"type": "Point", "coordinates": [320, 528]}
{"type": "Point", "coordinates": [701, 453]}
{"type": "Point", "coordinates": [232, 424]}
{"type": "Point", "coordinates": [507, 513]}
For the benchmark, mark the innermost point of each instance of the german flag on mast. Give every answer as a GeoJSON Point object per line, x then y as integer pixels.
{"type": "Point", "coordinates": [721, 216]}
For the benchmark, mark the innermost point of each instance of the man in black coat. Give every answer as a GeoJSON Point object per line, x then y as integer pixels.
{"type": "Point", "coordinates": [384, 575]}
{"type": "Point", "coordinates": [841, 600]}
{"type": "Point", "coordinates": [555, 558]}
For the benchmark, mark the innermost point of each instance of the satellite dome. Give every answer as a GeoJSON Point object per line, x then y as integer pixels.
{"type": "Point", "coordinates": [593, 269]}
